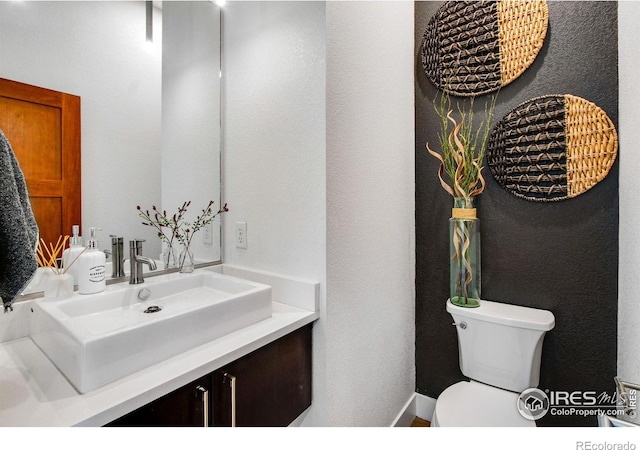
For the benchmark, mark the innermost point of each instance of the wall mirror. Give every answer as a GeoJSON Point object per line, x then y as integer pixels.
{"type": "Point", "coordinates": [150, 110]}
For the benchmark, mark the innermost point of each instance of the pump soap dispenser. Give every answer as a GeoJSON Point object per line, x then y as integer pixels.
{"type": "Point", "coordinates": [91, 267]}
{"type": "Point", "coordinates": [70, 254]}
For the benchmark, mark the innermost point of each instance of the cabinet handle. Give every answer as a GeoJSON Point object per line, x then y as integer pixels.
{"type": "Point", "coordinates": [205, 401]}
{"type": "Point", "coordinates": [232, 382]}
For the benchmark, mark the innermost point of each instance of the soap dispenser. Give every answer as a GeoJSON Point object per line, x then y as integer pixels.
{"type": "Point", "coordinates": [70, 255]}
{"type": "Point", "coordinates": [91, 267]}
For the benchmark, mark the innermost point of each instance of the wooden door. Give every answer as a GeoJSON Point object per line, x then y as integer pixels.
{"type": "Point", "coordinates": [43, 128]}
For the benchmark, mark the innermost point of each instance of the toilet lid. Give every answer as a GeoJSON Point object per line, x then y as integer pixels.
{"type": "Point", "coordinates": [473, 404]}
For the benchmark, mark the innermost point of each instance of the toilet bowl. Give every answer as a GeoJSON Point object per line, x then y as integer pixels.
{"type": "Point", "coordinates": [473, 404]}
{"type": "Point", "coordinates": [500, 348]}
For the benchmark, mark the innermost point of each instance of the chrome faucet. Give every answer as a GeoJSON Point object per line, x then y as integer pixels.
{"type": "Point", "coordinates": [137, 260]}
{"type": "Point", "coordinates": [117, 256]}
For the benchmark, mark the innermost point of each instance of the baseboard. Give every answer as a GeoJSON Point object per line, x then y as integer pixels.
{"type": "Point", "coordinates": [425, 407]}
{"type": "Point", "coordinates": [297, 422]}
{"type": "Point", "coordinates": [417, 406]}
{"type": "Point", "coordinates": [407, 414]}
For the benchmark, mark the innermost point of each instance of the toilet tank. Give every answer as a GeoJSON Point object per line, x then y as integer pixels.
{"type": "Point", "coordinates": [501, 344]}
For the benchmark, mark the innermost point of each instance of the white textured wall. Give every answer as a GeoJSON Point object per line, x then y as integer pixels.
{"type": "Point", "coordinates": [97, 50]}
{"type": "Point", "coordinates": [274, 149]}
{"type": "Point", "coordinates": [370, 211]}
{"type": "Point", "coordinates": [319, 163]}
{"type": "Point", "coordinates": [629, 134]}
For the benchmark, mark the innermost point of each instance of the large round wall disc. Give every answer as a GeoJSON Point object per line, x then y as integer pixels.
{"type": "Point", "coordinates": [552, 148]}
{"type": "Point", "coordinates": [476, 47]}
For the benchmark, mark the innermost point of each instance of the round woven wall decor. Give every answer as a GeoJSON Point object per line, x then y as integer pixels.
{"type": "Point", "coordinates": [475, 47]}
{"type": "Point", "coordinates": [552, 148]}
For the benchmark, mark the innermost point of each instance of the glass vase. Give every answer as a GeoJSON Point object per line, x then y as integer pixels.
{"type": "Point", "coordinates": [58, 286]}
{"type": "Point", "coordinates": [464, 250]}
{"type": "Point", "coordinates": [185, 260]}
{"type": "Point", "coordinates": [169, 256]}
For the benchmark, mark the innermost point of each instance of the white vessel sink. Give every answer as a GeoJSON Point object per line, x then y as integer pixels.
{"type": "Point", "coordinates": [96, 339]}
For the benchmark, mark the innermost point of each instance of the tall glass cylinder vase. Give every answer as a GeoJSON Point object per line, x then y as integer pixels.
{"type": "Point", "coordinates": [464, 247]}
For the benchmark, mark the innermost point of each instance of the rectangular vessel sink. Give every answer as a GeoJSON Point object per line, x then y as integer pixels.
{"type": "Point", "coordinates": [96, 339]}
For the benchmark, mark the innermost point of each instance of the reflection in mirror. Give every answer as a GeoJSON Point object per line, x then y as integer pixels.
{"type": "Point", "coordinates": [150, 111]}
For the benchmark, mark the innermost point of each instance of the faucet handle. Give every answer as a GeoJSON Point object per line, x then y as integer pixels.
{"type": "Point", "coordinates": [136, 261]}
{"type": "Point", "coordinates": [136, 244]}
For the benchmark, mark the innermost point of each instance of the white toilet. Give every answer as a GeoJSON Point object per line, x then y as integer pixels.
{"type": "Point", "coordinates": [500, 349]}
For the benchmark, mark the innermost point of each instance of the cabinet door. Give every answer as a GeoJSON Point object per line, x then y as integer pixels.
{"type": "Point", "coordinates": [268, 387]}
{"type": "Point", "coordinates": [188, 406]}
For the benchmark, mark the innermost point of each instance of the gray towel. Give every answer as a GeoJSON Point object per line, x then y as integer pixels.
{"type": "Point", "coordinates": [18, 228]}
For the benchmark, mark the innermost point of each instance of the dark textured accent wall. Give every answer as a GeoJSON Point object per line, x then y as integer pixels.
{"type": "Point", "coordinates": [560, 256]}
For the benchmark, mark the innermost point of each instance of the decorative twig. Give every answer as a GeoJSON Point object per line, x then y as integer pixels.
{"type": "Point", "coordinates": [175, 228]}
{"type": "Point", "coordinates": [52, 254]}
{"type": "Point", "coordinates": [463, 148]}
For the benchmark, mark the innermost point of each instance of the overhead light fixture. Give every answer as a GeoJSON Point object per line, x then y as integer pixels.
{"type": "Point", "coordinates": [221, 3]}
{"type": "Point", "coordinates": [149, 21]}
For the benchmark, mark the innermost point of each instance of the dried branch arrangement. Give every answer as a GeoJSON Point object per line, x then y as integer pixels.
{"type": "Point", "coordinates": [463, 147]}
{"type": "Point", "coordinates": [50, 255]}
{"type": "Point", "coordinates": [461, 162]}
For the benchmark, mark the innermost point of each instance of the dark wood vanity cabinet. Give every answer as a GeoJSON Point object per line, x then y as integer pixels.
{"type": "Point", "coordinates": [270, 386]}
{"type": "Point", "coordinates": [184, 407]}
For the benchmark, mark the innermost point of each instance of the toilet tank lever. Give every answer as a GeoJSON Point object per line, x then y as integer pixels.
{"type": "Point", "coordinates": [462, 325]}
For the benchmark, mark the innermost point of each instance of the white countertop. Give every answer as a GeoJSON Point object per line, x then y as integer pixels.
{"type": "Point", "coordinates": [34, 393]}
